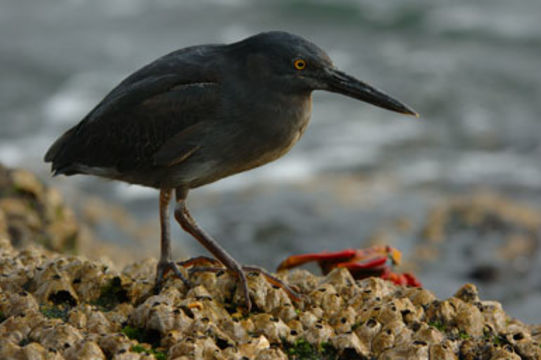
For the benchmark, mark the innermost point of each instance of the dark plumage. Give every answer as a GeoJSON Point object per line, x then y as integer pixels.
{"type": "Point", "coordinates": [203, 113]}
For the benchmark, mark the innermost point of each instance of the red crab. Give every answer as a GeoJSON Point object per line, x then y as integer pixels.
{"type": "Point", "coordinates": [362, 263]}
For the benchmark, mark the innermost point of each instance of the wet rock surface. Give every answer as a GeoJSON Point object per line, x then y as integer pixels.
{"type": "Point", "coordinates": [55, 306]}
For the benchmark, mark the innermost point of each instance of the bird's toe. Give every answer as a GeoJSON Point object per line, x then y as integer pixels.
{"type": "Point", "coordinates": [164, 268]}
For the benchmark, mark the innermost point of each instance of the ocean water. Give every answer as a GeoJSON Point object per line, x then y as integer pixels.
{"type": "Point", "coordinates": [471, 69]}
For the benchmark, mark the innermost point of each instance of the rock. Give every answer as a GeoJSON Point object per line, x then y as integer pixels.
{"type": "Point", "coordinates": [55, 306]}
{"type": "Point", "coordinates": [442, 351]}
{"type": "Point", "coordinates": [56, 335]}
{"type": "Point", "coordinates": [413, 351]}
{"type": "Point", "coordinates": [68, 307]}
{"type": "Point", "coordinates": [84, 350]}
{"type": "Point", "coordinates": [350, 343]}
{"type": "Point", "coordinates": [468, 293]}
{"type": "Point", "coordinates": [30, 213]}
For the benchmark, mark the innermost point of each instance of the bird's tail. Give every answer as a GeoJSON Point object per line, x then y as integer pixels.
{"type": "Point", "coordinates": [59, 156]}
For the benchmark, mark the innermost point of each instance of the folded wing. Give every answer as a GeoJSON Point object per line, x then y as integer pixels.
{"type": "Point", "coordinates": [152, 119]}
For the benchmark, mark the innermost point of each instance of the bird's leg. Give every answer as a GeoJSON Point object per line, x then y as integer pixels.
{"type": "Point", "coordinates": [186, 221]}
{"type": "Point", "coordinates": [166, 264]}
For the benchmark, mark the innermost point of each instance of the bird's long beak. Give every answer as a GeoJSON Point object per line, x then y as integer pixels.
{"type": "Point", "coordinates": [342, 83]}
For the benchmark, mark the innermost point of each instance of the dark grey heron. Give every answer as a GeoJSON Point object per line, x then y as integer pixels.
{"type": "Point", "coordinates": [203, 113]}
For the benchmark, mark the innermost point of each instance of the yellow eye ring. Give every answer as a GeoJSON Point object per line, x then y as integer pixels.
{"type": "Point", "coordinates": [299, 64]}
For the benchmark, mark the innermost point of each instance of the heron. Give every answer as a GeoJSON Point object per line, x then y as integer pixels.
{"type": "Point", "coordinates": [203, 113]}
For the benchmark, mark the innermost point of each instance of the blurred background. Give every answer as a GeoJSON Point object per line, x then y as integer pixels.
{"type": "Point", "coordinates": [457, 191]}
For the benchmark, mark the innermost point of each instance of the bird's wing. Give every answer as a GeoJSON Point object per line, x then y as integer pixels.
{"type": "Point", "coordinates": [131, 92]}
{"type": "Point", "coordinates": [147, 126]}
{"type": "Point", "coordinates": [196, 105]}
{"type": "Point", "coordinates": [180, 146]}
{"type": "Point", "coordinates": [137, 117]}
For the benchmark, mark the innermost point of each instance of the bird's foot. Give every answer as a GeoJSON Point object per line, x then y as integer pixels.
{"type": "Point", "coordinates": [203, 263]}
{"type": "Point", "coordinates": [162, 270]}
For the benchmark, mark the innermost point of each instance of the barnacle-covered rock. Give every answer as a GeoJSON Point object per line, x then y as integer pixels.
{"type": "Point", "coordinates": [233, 329]}
{"type": "Point", "coordinates": [442, 351]}
{"type": "Point", "coordinates": [211, 285]}
{"type": "Point", "coordinates": [31, 351]}
{"type": "Point", "coordinates": [468, 293]}
{"type": "Point", "coordinates": [321, 332]}
{"type": "Point", "coordinates": [271, 354]}
{"type": "Point", "coordinates": [350, 343]}
{"type": "Point", "coordinates": [494, 315]}
{"type": "Point", "coordinates": [420, 297]}
{"type": "Point", "coordinates": [411, 314]}
{"type": "Point", "coordinates": [286, 312]}
{"type": "Point", "coordinates": [428, 334]}
{"type": "Point", "coordinates": [367, 331]}
{"type": "Point", "coordinates": [266, 297]}
{"type": "Point", "coordinates": [465, 317]}
{"type": "Point", "coordinates": [55, 306]}
{"type": "Point", "coordinates": [201, 347]}
{"type": "Point", "coordinates": [272, 327]}
{"type": "Point", "coordinates": [97, 322]}
{"type": "Point", "coordinates": [84, 350]}
{"type": "Point", "coordinates": [386, 338]}
{"type": "Point", "coordinates": [56, 291]}
{"type": "Point", "coordinates": [8, 349]}
{"type": "Point", "coordinates": [342, 281]}
{"type": "Point", "coordinates": [383, 313]}
{"type": "Point", "coordinates": [417, 350]}
{"type": "Point", "coordinates": [33, 213]}
{"type": "Point", "coordinates": [77, 317]}
{"type": "Point", "coordinates": [17, 328]}
{"type": "Point", "coordinates": [36, 351]}
{"type": "Point", "coordinates": [302, 280]}
{"type": "Point", "coordinates": [254, 346]}
{"type": "Point", "coordinates": [88, 279]}
{"type": "Point", "coordinates": [13, 304]}
{"type": "Point", "coordinates": [378, 287]}
{"type": "Point", "coordinates": [114, 344]}
{"type": "Point", "coordinates": [158, 313]}
{"type": "Point", "coordinates": [343, 321]}
{"type": "Point", "coordinates": [62, 315]}
{"type": "Point", "coordinates": [504, 354]}
{"type": "Point", "coordinates": [56, 335]}
{"type": "Point", "coordinates": [518, 336]}
{"type": "Point", "coordinates": [327, 298]}
{"type": "Point", "coordinates": [119, 315]}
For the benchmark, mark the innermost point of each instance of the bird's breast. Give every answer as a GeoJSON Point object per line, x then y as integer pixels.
{"type": "Point", "coordinates": [298, 123]}
{"type": "Point", "coordinates": [245, 140]}
{"type": "Point", "coordinates": [275, 130]}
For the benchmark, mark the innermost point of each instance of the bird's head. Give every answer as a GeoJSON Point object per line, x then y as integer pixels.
{"type": "Point", "coordinates": [291, 64]}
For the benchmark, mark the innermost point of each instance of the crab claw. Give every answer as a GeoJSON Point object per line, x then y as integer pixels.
{"type": "Point", "coordinates": [329, 260]}
{"type": "Point", "coordinates": [407, 279]}
{"type": "Point", "coordinates": [362, 263]}
{"type": "Point", "coordinates": [324, 257]}
{"type": "Point", "coordinates": [360, 270]}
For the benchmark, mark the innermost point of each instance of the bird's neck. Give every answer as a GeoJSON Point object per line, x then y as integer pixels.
{"type": "Point", "coordinates": [284, 108]}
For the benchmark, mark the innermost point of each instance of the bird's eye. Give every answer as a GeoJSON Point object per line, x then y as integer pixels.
{"type": "Point", "coordinates": [299, 64]}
